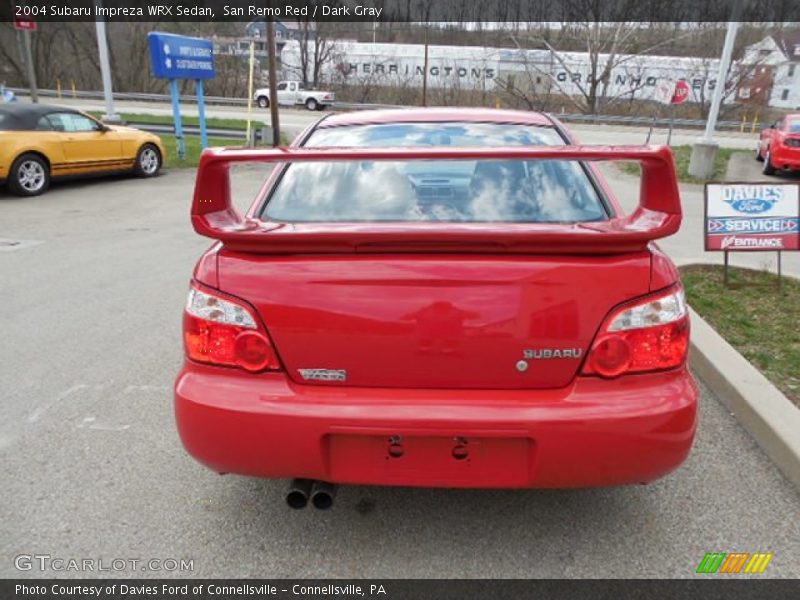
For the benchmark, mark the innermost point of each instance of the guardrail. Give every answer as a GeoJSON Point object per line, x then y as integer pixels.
{"type": "Point", "coordinates": [643, 121]}
{"type": "Point", "coordinates": [629, 121]}
{"type": "Point", "coordinates": [189, 98]}
{"type": "Point", "coordinates": [193, 130]}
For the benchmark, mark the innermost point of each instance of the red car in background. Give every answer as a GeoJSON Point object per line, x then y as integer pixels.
{"type": "Point", "coordinates": [779, 145]}
{"type": "Point", "coordinates": [436, 297]}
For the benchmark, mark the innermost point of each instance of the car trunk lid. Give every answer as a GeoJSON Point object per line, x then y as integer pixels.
{"type": "Point", "coordinates": [434, 321]}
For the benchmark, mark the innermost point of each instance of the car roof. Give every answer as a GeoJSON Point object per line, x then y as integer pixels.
{"type": "Point", "coordinates": [21, 116]}
{"type": "Point", "coordinates": [435, 115]}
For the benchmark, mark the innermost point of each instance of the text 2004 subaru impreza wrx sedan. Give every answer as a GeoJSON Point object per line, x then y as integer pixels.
{"type": "Point", "coordinates": [437, 298]}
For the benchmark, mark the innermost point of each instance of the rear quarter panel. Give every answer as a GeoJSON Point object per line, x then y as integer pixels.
{"type": "Point", "coordinates": [132, 140]}
{"type": "Point", "coordinates": [14, 144]}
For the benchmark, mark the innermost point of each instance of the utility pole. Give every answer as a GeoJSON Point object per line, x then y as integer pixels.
{"type": "Point", "coordinates": [724, 63]}
{"type": "Point", "coordinates": [26, 44]}
{"type": "Point", "coordinates": [425, 71]}
{"type": "Point", "coordinates": [704, 152]}
{"type": "Point", "coordinates": [273, 84]}
{"type": "Point", "coordinates": [110, 115]}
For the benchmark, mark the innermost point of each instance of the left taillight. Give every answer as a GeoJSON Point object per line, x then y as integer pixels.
{"type": "Point", "coordinates": [649, 334]}
{"type": "Point", "coordinates": [221, 330]}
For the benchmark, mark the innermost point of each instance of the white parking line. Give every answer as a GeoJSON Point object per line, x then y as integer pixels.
{"type": "Point", "coordinates": [90, 422]}
{"type": "Point", "coordinates": [147, 388]}
{"type": "Point", "coordinates": [43, 408]}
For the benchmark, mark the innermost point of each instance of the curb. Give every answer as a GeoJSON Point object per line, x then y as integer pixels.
{"type": "Point", "coordinates": [768, 415]}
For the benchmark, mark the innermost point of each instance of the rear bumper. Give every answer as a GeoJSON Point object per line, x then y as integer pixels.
{"type": "Point", "coordinates": [593, 433]}
{"type": "Point", "coordinates": [783, 157]}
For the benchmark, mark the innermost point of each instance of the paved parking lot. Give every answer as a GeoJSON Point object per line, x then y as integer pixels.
{"type": "Point", "coordinates": [93, 467]}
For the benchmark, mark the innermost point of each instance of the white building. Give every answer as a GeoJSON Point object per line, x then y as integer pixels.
{"type": "Point", "coordinates": [777, 60]}
{"type": "Point", "coordinates": [400, 64]}
{"type": "Point", "coordinates": [482, 68]}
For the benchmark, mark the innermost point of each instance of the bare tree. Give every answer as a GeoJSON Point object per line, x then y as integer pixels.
{"type": "Point", "coordinates": [316, 49]}
{"type": "Point", "coordinates": [609, 70]}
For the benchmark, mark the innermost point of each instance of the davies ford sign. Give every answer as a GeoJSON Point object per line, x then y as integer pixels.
{"type": "Point", "coordinates": [752, 216]}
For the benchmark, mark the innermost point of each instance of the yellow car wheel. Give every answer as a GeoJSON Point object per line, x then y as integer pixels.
{"type": "Point", "coordinates": [29, 175]}
{"type": "Point", "coordinates": [148, 161]}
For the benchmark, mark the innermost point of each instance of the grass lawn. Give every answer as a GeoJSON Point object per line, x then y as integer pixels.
{"type": "Point", "coordinates": [188, 120]}
{"type": "Point", "coordinates": [682, 155]}
{"type": "Point", "coordinates": [756, 319]}
{"type": "Point", "coordinates": [192, 150]}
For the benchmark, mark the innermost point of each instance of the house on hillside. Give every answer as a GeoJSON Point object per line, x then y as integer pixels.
{"type": "Point", "coordinates": [774, 71]}
{"type": "Point", "coordinates": [285, 31]}
{"type": "Point", "coordinates": [255, 32]}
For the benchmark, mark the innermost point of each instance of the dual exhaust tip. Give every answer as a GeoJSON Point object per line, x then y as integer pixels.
{"type": "Point", "coordinates": [301, 491]}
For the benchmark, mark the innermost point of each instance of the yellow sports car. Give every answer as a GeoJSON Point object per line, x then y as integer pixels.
{"type": "Point", "coordinates": [39, 142]}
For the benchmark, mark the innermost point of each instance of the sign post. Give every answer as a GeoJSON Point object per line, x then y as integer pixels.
{"type": "Point", "coordinates": [176, 117]}
{"type": "Point", "coordinates": [176, 57]}
{"type": "Point", "coordinates": [679, 96]}
{"type": "Point", "coordinates": [25, 29]}
{"type": "Point", "coordinates": [748, 217]}
{"type": "Point", "coordinates": [201, 114]}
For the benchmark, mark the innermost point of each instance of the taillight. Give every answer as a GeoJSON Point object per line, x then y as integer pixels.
{"type": "Point", "coordinates": [650, 334]}
{"type": "Point", "coordinates": [221, 331]}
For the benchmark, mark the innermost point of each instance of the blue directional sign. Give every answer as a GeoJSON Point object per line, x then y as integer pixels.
{"type": "Point", "coordinates": [180, 57]}
{"type": "Point", "coordinates": [177, 57]}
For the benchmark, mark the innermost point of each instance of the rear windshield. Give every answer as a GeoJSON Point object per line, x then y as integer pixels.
{"type": "Point", "coordinates": [794, 126]}
{"type": "Point", "coordinates": [512, 191]}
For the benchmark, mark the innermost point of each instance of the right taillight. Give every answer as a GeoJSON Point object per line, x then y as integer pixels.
{"type": "Point", "coordinates": [219, 330]}
{"type": "Point", "coordinates": [649, 334]}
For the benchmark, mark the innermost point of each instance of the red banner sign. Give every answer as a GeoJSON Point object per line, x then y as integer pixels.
{"type": "Point", "coordinates": [24, 25]}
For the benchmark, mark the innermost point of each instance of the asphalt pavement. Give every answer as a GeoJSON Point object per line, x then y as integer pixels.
{"type": "Point", "coordinates": [93, 468]}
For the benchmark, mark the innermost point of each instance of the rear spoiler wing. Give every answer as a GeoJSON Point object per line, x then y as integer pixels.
{"type": "Point", "coordinates": [658, 214]}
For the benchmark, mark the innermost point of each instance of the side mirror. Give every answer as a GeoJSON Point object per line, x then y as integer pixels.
{"type": "Point", "coordinates": [102, 128]}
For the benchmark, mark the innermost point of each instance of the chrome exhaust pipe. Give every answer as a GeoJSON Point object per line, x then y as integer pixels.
{"type": "Point", "coordinates": [298, 493]}
{"type": "Point", "coordinates": [322, 495]}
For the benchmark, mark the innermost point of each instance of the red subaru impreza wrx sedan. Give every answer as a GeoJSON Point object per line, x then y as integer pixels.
{"type": "Point", "coordinates": [436, 297]}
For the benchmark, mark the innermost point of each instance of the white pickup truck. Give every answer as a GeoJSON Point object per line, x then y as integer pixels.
{"type": "Point", "coordinates": [292, 93]}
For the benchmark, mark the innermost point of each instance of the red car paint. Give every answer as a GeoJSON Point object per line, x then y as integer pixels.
{"type": "Point", "coordinates": [430, 321]}
{"type": "Point", "coordinates": [779, 145]}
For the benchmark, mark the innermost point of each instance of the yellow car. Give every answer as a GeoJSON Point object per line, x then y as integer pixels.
{"type": "Point", "coordinates": [39, 142]}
